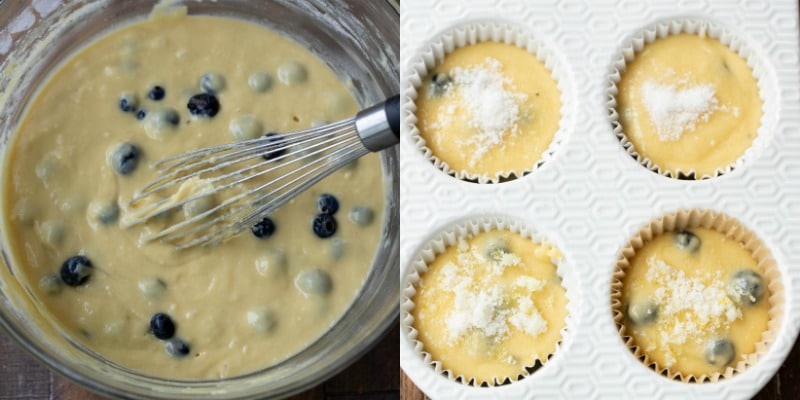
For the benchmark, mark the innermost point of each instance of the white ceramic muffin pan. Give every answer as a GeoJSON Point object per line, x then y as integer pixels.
{"type": "Point", "coordinates": [591, 196]}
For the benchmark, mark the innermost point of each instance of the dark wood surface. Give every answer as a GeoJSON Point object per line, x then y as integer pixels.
{"type": "Point", "coordinates": [785, 385]}
{"type": "Point", "coordinates": [376, 376]}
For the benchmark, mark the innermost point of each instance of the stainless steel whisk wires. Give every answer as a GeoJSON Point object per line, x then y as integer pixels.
{"type": "Point", "coordinates": [287, 164]}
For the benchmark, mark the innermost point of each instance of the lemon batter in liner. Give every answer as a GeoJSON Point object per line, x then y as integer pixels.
{"type": "Point", "coordinates": [689, 116]}
{"type": "Point", "coordinates": [658, 253]}
{"type": "Point", "coordinates": [489, 108]}
{"type": "Point", "coordinates": [503, 340]}
{"type": "Point", "coordinates": [511, 39]}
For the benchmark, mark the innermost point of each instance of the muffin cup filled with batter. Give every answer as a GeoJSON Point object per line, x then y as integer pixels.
{"type": "Point", "coordinates": [487, 102]}
{"type": "Point", "coordinates": [487, 302]}
{"type": "Point", "coordinates": [687, 100]}
{"type": "Point", "coordinates": [696, 296]}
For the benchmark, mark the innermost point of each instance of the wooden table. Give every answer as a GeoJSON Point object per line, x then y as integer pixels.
{"type": "Point", "coordinates": [375, 376]}
{"type": "Point", "coordinates": [784, 385]}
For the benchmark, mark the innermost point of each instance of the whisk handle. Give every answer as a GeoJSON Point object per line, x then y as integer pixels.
{"type": "Point", "coordinates": [378, 127]}
{"type": "Point", "coordinates": [392, 108]}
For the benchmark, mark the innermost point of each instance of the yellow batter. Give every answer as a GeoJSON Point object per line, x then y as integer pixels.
{"type": "Point", "coordinates": [688, 102]}
{"type": "Point", "coordinates": [695, 302]}
{"type": "Point", "coordinates": [491, 306]}
{"type": "Point", "coordinates": [490, 109]}
{"type": "Point", "coordinates": [239, 307]}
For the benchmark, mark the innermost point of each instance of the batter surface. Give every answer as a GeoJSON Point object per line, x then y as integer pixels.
{"type": "Point", "coordinates": [695, 301]}
{"type": "Point", "coordinates": [491, 306]}
{"type": "Point", "coordinates": [688, 102]}
{"type": "Point", "coordinates": [84, 148]}
{"type": "Point", "coordinates": [489, 109]}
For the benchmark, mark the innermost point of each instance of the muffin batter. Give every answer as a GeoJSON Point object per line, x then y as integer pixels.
{"type": "Point", "coordinates": [143, 93]}
{"type": "Point", "coordinates": [688, 102]}
{"type": "Point", "coordinates": [491, 306]}
{"type": "Point", "coordinates": [490, 109]}
{"type": "Point", "coordinates": [695, 301]}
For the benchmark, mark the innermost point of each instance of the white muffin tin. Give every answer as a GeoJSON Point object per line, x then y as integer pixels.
{"type": "Point", "coordinates": [591, 196]}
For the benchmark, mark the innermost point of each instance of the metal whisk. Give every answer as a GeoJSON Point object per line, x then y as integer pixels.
{"type": "Point", "coordinates": [277, 167]}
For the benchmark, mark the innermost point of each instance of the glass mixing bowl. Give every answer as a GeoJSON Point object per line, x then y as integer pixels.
{"type": "Point", "coordinates": [359, 40]}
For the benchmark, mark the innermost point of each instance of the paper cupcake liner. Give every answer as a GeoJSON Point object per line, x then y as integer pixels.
{"type": "Point", "coordinates": [732, 229]}
{"type": "Point", "coordinates": [469, 34]}
{"type": "Point", "coordinates": [449, 237]}
{"type": "Point", "coordinates": [766, 88]}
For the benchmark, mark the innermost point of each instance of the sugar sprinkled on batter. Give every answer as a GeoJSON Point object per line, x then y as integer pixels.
{"type": "Point", "coordinates": [691, 307]}
{"type": "Point", "coordinates": [484, 304]}
{"type": "Point", "coordinates": [674, 111]}
{"type": "Point", "coordinates": [488, 101]}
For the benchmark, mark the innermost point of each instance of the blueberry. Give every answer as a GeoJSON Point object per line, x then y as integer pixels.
{"type": "Point", "coordinates": [260, 81]}
{"type": "Point", "coordinates": [104, 212]}
{"type": "Point", "coordinates": [170, 116]}
{"type": "Point", "coordinates": [292, 73]}
{"type": "Point", "coordinates": [160, 122]}
{"type": "Point", "coordinates": [177, 348]}
{"type": "Point", "coordinates": [440, 82]}
{"type": "Point", "coordinates": [162, 326]}
{"type": "Point", "coordinates": [497, 254]}
{"type": "Point", "coordinates": [324, 225]}
{"type": "Point", "coordinates": [152, 287]}
{"type": "Point", "coordinates": [686, 240]}
{"type": "Point", "coordinates": [496, 248]}
{"type": "Point", "coordinates": [157, 93]}
{"type": "Point", "coordinates": [203, 105]}
{"type": "Point", "coordinates": [336, 249]}
{"type": "Point", "coordinates": [746, 287]}
{"type": "Point", "coordinates": [719, 352]}
{"type": "Point", "coordinates": [76, 270]}
{"type": "Point", "coordinates": [212, 82]}
{"type": "Point", "coordinates": [642, 312]}
{"type": "Point", "coordinates": [275, 146]}
{"type": "Point", "coordinates": [272, 264]}
{"type": "Point", "coordinates": [125, 158]}
{"type": "Point", "coordinates": [361, 215]}
{"type": "Point", "coordinates": [262, 320]}
{"type": "Point", "coordinates": [327, 204]}
{"type": "Point", "coordinates": [48, 168]}
{"type": "Point", "coordinates": [245, 128]}
{"type": "Point", "coordinates": [51, 232]}
{"type": "Point", "coordinates": [50, 284]}
{"type": "Point", "coordinates": [264, 228]}
{"type": "Point", "coordinates": [141, 114]}
{"type": "Point", "coordinates": [198, 206]}
{"type": "Point", "coordinates": [313, 281]}
{"type": "Point", "coordinates": [128, 102]}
